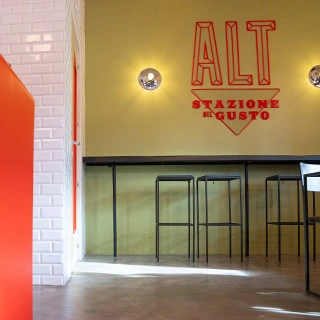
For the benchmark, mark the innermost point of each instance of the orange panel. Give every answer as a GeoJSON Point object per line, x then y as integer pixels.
{"type": "Point", "coordinates": [16, 196]}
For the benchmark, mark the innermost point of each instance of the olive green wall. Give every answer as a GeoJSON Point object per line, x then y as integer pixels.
{"type": "Point", "coordinates": [122, 38]}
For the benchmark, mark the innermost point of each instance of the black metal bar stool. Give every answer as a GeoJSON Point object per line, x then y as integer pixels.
{"type": "Point", "coordinates": [191, 210]}
{"type": "Point", "coordinates": [230, 221]}
{"type": "Point", "coordinates": [279, 222]}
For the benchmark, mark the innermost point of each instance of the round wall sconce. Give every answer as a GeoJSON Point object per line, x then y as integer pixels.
{"type": "Point", "coordinates": [149, 79]}
{"type": "Point", "coordinates": [314, 76]}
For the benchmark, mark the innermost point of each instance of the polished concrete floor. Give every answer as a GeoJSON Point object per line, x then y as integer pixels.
{"type": "Point", "coordinates": [139, 288]}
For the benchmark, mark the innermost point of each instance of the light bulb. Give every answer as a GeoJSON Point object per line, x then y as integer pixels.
{"type": "Point", "coordinates": [149, 79]}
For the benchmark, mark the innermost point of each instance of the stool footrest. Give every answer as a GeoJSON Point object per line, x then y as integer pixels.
{"type": "Point", "coordinates": [184, 224]}
{"type": "Point", "coordinates": [227, 224]}
{"type": "Point", "coordinates": [286, 223]}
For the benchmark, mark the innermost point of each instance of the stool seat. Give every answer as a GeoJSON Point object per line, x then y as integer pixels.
{"type": "Point", "coordinates": [190, 218]}
{"type": "Point", "coordinates": [181, 177]}
{"type": "Point", "coordinates": [229, 223]}
{"type": "Point", "coordinates": [214, 177]}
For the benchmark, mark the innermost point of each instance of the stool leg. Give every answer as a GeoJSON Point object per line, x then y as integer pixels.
{"type": "Point", "coordinates": [157, 220]}
{"type": "Point", "coordinates": [314, 225]}
{"type": "Point", "coordinates": [298, 210]}
{"type": "Point", "coordinates": [188, 219]}
{"type": "Point", "coordinates": [279, 221]}
{"type": "Point", "coordinates": [229, 203]}
{"type": "Point", "coordinates": [193, 220]}
{"type": "Point", "coordinates": [198, 238]}
{"type": "Point", "coordinates": [206, 198]}
{"type": "Point", "coordinates": [267, 208]}
{"type": "Point", "coordinates": [241, 221]}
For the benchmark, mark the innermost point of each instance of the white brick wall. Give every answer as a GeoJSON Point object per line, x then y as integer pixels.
{"type": "Point", "coordinates": [36, 39]}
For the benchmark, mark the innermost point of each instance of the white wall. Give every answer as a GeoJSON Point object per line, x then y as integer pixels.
{"type": "Point", "coordinates": [35, 38]}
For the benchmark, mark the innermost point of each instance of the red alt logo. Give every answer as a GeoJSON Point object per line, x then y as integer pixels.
{"type": "Point", "coordinates": [247, 98]}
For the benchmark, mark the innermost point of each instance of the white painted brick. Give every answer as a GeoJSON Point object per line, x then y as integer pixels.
{"type": "Point", "coordinates": [43, 156]}
{"type": "Point", "coordinates": [21, 28]}
{"type": "Point", "coordinates": [58, 133]}
{"type": "Point", "coordinates": [57, 246]}
{"type": "Point", "coordinates": [52, 100]}
{"type": "Point", "coordinates": [51, 189]}
{"type": "Point", "coordinates": [53, 57]}
{"type": "Point", "coordinates": [36, 190]}
{"type": "Point", "coordinates": [53, 16]}
{"type": "Point", "coordinates": [57, 224]}
{"type": "Point", "coordinates": [58, 88]}
{"type": "Point", "coordinates": [57, 178]}
{"type": "Point", "coordinates": [37, 144]}
{"type": "Point", "coordinates": [31, 58]}
{"type": "Point", "coordinates": [42, 133]}
{"type": "Point", "coordinates": [10, 19]}
{"type": "Point", "coordinates": [59, 6]}
{"type": "Point", "coordinates": [5, 29]}
{"type": "Point", "coordinates": [36, 212]}
{"type": "Point", "coordinates": [41, 112]}
{"type": "Point", "coordinates": [41, 7]}
{"type": "Point", "coordinates": [14, 59]}
{"type": "Point", "coordinates": [36, 280]}
{"type": "Point", "coordinates": [8, 39]}
{"type": "Point", "coordinates": [37, 100]}
{"type": "Point", "coordinates": [42, 269]}
{"type": "Point", "coordinates": [36, 235]}
{"type": "Point", "coordinates": [57, 201]}
{"type": "Point", "coordinates": [5, 9]}
{"type": "Point", "coordinates": [58, 155]}
{"type": "Point", "coordinates": [42, 246]}
{"type": "Point", "coordinates": [36, 258]}
{"type": "Point", "coordinates": [58, 26]}
{"type": "Point", "coordinates": [42, 177]}
{"type": "Point", "coordinates": [42, 47]}
{"type": "Point", "coordinates": [53, 36]}
{"type": "Point", "coordinates": [52, 280]}
{"type": "Point", "coordinates": [5, 50]}
{"type": "Point", "coordinates": [36, 167]}
{"type": "Point", "coordinates": [58, 47]}
{"type": "Point", "coordinates": [54, 144]}
{"type": "Point", "coordinates": [22, 8]}
{"type": "Point", "coordinates": [54, 166]}
{"type": "Point", "coordinates": [51, 258]}
{"type": "Point", "coordinates": [53, 122]}
{"type": "Point", "coordinates": [52, 212]}
{"type": "Point", "coordinates": [53, 78]}
{"type": "Point", "coordinates": [42, 201]}
{"type": "Point", "coordinates": [20, 48]}
{"type": "Point", "coordinates": [42, 27]}
{"type": "Point", "coordinates": [51, 235]}
{"type": "Point", "coordinates": [37, 124]}
{"type": "Point", "coordinates": [42, 224]}
{"type": "Point", "coordinates": [10, 2]}
{"type": "Point", "coordinates": [21, 69]}
{"type": "Point", "coordinates": [32, 17]}
{"type": "Point", "coordinates": [57, 269]}
{"type": "Point", "coordinates": [42, 68]}
{"type": "Point", "coordinates": [31, 79]}
{"type": "Point", "coordinates": [31, 38]}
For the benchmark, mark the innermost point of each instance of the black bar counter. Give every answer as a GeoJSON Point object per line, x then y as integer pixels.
{"type": "Point", "coordinates": [114, 161]}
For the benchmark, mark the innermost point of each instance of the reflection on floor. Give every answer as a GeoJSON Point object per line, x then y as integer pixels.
{"type": "Point", "coordinates": [139, 288]}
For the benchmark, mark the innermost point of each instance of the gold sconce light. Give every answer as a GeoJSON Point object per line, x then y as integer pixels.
{"type": "Point", "coordinates": [150, 79]}
{"type": "Point", "coordinates": [314, 76]}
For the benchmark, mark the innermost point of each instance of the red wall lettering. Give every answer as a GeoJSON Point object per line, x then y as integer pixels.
{"type": "Point", "coordinates": [205, 55]}
{"type": "Point", "coordinates": [261, 29]}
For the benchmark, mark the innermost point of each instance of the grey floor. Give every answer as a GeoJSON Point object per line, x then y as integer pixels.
{"type": "Point", "coordinates": [139, 288]}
